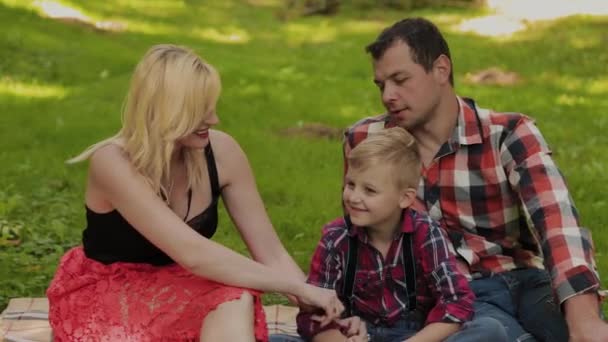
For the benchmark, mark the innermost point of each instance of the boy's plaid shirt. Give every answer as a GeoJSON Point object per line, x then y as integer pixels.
{"type": "Point", "coordinates": [495, 189]}
{"type": "Point", "coordinates": [380, 292]}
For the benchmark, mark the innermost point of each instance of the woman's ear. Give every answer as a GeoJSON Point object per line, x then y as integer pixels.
{"type": "Point", "coordinates": [408, 195]}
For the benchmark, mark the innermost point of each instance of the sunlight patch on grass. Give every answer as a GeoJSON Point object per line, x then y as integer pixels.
{"type": "Point", "coordinates": [302, 33]}
{"type": "Point", "coordinates": [585, 42]}
{"type": "Point", "coordinates": [31, 90]}
{"type": "Point", "coordinates": [513, 16]}
{"type": "Point", "coordinates": [350, 111]}
{"type": "Point", "coordinates": [567, 83]}
{"type": "Point", "coordinates": [598, 87]}
{"type": "Point", "coordinates": [227, 35]}
{"type": "Point", "coordinates": [353, 26]}
{"type": "Point", "coordinates": [54, 9]}
{"type": "Point", "coordinates": [151, 27]}
{"type": "Point", "coordinates": [547, 9]}
{"type": "Point", "coordinates": [571, 100]}
{"type": "Point", "coordinates": [492, 26]}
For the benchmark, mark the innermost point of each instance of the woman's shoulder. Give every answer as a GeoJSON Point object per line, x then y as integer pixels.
{"type": "Point", "coordinates": [226, 149]}
{"type": "Point", "coordinates": [110, 153]}
{"type": "Point", "coordinates": [222, 141]}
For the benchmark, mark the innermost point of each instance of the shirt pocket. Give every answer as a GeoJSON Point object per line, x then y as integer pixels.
{"type": "Point", "coordinates": [368, 286]}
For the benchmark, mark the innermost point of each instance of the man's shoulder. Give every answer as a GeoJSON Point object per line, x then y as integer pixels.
{"type": "Point", "coordinates": [365, 126]}
{"type": "Point", "coordinates": [504, 120]}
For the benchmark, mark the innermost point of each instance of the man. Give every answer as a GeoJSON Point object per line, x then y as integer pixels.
{"type": "Point", "coordinates": [489, 179]}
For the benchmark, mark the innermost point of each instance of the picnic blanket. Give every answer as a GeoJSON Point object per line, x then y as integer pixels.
{"type": "Point", "coordinates": [26, 320]}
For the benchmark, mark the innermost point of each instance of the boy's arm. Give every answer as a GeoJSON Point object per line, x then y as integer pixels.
{"type": "Point", "coordinates": [450, 288]}
{"type": "Point", "coordinates": [325, 271]}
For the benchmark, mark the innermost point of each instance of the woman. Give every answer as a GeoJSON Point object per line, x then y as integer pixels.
{"type": "Point", "coordinates": [147, 270]}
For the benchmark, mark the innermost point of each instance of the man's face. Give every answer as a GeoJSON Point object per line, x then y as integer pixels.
{"type": "Point", "coordinates": [409, 93]}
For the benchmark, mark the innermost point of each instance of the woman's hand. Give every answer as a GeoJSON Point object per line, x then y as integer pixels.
{"type": "Point", "coordinates": [324, 301]}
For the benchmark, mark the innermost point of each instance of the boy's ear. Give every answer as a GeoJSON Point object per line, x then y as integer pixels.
{"type": "Point", "coordinates": [408, 195]}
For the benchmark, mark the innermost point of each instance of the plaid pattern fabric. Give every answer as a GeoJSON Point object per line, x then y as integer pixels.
{"type": "Point", "coordinates": [26, 320]}
{"type": "Point", "coordinates": [495, 189]}
{"type": "Point", "coordinates": [380, 292]}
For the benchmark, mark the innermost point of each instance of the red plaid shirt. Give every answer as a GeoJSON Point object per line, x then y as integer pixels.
{"type": "Point", "coordinates": [380, 291]}
{"type": "Point", "coordinates": [496, 190]}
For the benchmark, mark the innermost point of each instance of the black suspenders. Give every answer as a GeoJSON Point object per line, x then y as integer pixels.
{"type": "Point", "coordinates": [409, 267]}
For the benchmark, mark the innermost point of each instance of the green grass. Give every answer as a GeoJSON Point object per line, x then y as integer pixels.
{"type": "Point", "coordinates": [62, 85]}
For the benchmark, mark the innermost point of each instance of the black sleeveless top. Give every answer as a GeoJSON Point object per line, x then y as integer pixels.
{"type": "Point", "coordinates": [109, 238]}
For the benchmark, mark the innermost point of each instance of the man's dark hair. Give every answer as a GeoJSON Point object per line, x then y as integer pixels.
{"type": "Point", "coordinates": [423, 38]}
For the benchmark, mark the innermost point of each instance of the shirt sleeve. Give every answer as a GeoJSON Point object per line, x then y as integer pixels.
{"type": "Point", "coordinates": [450, 288]}
{"type": "Point", "coordinates": [325, 271]}
{"type": "Point", "coordinates": [567, 247]}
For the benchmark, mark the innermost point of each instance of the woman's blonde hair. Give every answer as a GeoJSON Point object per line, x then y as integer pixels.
{"type": "Point", "coordinates": [172, 91]}
{"type": "Point", "coordinates": [391, 147]}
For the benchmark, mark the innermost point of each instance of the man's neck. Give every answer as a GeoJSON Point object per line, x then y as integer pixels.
{"type": "Point", "coordinates": [432, 135]}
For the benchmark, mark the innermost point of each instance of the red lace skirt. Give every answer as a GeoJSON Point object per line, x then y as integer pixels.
{"type": "Point", "coordinates": [90, 301]}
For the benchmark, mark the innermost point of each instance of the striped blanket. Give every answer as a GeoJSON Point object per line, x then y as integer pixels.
{"type": "Point", "coordinates": [26, 320]}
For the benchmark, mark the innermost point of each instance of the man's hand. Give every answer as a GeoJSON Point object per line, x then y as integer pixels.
{"type": "Point", "coordinates": [584, 322]}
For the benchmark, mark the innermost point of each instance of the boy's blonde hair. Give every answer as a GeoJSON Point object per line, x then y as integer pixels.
{"type": "Point", "coordinates": [172, 91]}
{"type": "Point", "coordinates": [394, 147]}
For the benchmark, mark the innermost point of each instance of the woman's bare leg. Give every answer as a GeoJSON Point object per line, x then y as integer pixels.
{"type": "Point", "coordinates": [230, 321]}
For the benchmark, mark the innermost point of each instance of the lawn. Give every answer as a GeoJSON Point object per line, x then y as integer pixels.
{"type": "Point", "coordinates": [62, 85]}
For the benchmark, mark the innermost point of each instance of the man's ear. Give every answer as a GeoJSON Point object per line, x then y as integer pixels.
{"type": "Point", "coordinates": [408, 195]}
{"type": "Point", "coordinates": [442, 67]}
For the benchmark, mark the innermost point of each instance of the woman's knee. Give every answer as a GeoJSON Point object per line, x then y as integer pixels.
{"type": "Point", "coordinates": [230, 321]}
{"type": "Point", "coordinates": [244, 302]}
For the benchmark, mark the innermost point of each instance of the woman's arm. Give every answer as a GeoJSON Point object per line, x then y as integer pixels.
{"type": "Point", "coordinates": [246, 208]}
{"type": "Point", "coordinates": [112, 174]}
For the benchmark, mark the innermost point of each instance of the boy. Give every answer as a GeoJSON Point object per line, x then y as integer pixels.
{"type": "Point", "coordinates": [391, 266]}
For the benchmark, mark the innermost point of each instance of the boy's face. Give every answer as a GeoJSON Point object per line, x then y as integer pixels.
{"type": "Point", "coordinates": [373, 198]}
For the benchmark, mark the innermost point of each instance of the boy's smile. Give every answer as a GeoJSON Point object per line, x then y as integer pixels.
{"type": "Point", "coordinates": [373, 199]}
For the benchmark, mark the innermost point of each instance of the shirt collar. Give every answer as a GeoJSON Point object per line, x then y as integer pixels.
{"type": "Point", "coordinates": [407, 226]}
{"type": "Point", "coordinates": [468, 129]}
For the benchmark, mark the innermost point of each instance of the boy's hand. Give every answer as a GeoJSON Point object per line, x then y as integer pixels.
{"type": "Point", "coordinates": [354, 329]}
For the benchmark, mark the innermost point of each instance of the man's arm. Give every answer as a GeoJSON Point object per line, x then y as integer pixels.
{"type": "Point", "coordinates": [567, 248]}
{"type": "Point", "coordinates": [450, 288]}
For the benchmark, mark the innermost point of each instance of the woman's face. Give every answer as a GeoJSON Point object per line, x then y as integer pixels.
{"type": "Point", "coordinates": [200, 137]}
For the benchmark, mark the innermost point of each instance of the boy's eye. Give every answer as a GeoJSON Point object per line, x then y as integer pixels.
{"type": "Point", "coordinates": [350, 185]}
{"type": "Point", "coordinates": [370, 190]}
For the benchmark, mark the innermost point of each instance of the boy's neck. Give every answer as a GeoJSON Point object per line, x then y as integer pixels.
{"type": "Point", "coordinates": [385, 232]}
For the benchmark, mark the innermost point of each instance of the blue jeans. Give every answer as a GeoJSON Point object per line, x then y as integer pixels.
{"type": "Point", "coordinates": [482, 329]}
{"type": "Point", "coordinates": [522, 300]}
